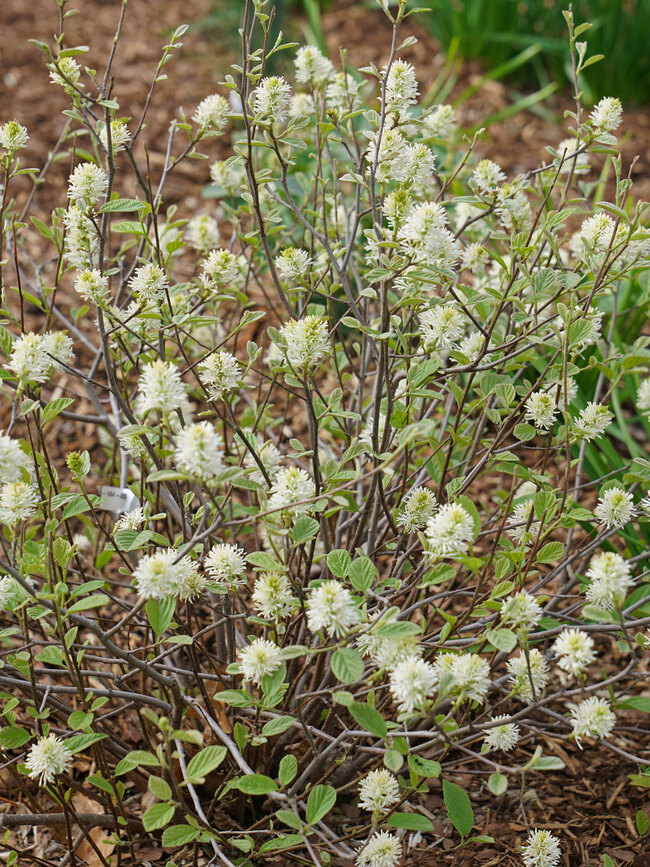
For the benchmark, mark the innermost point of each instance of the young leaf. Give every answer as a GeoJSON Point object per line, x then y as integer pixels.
{"type": "Point", "coordinates": [458, 807]}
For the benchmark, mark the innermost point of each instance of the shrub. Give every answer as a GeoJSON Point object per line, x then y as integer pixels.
{"type": "Point", "coordinates": [333, 531]}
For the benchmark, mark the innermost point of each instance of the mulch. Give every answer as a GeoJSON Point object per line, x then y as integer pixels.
{"type": "Point", "coordinates": [590, 804]}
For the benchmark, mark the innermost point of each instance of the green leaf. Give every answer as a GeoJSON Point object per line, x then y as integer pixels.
{"type": "Point", "coordinates": [642, 822]}
{"type": "Point", "coordinates": [284, 842]}
{"type": "Point", "coordinates": [54, 407]}
{"type": "Point", "coordinates": [547, 763]}
{"type": "Point", "coordinates": [458, 807]}
{"type": "Point", "coordinates": [265, 561]}
{"type": "Point", "coordinates": [363, 573]}
{"type": "Point", "coordinates": [288, 769]}
{"type": "Point", "coordinates": [502, 639]}
{"type": "Point", "coordinates": [339, 562]}
{"type": "Point", "coordinates": [393, 760]}
{"type": "Point", "coordinates": [204, 762]}
{"type": "Point", "coordinates": [157, 816]}
{"type": "Point", "coordinates": [424, 767]}
{"type": "Point", "coordinates": [277, 726]}
{"type": "Point", "coordinates": [551, 553]}
{"type": "Point", "coordinates": [608, 862]}
{"type": "Point", "coordinates": [160, 613]}
{"type": "Point", "coordinates": [233, 697]}
{"type": "Point", "coordinates": [497, 783]}
{"type": "Point", "coordinates": [133, 760]}
{"type": "Point", "coordinates": [320, 801]}
{"type": "Point", "coordinates": [290, 819]}
{"type": "Point", "coordinates": [179, 835]}
{"type": "Point", "coordinates": [524, 432]}
{"type": "Point", "coordinates": [256, 784]}
{"type": "Point", "coordinates": [121, 205]}
{"type": "Point", "coordinates": [13, 737]}
{"type": "Point", "coordinates": [637, 702]}
{"type": "Point", "coordinates": [369, 718]}
{"type": "Point", "coordinates": [88, 602]}
{"type": "Point", "coordinates": [304, 529]}
{"type": "Point", "coordinates": [347, 665]}
{"type": "Point", "coordinates": [159, 788]}
{"type": "Point", "coordinates": [398, 629]}
{"type": "Point", "coordinates": [411, 821]}
{"type": "Point", "coordinates": [77, 743]}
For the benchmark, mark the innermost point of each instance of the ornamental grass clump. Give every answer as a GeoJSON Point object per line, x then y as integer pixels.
{"type": "Point", "coordinates": [301, 490]}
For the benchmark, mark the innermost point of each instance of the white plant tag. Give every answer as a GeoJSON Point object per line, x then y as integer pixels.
{"type": "Point", "coordinates": [118, 500]}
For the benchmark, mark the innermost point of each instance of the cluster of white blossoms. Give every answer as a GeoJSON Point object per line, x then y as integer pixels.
{"type": "Point", "coordinates": [541, 409]}
{"type": "Point", "coordinates": [93, 286]}
{"type": "Point", "coordinates": [291, 487]}
{"type": "Point", "coordinates": [401, 87]}
{"type": "Point", "coordinates": [220, 269]}
{"type": "Point", "coordinates": [149, 283]}
{"type": "Point", "coordinates": [202, 233]}
{"type": "Point", "coordinates": [220, 373]}
{"type": "Point", "coordinates": [611, 578]}
{"type": "Point", "coordinates": [272, 595]}
{"type": "Point", "coordinates": [65, 72]}
{"type": "Point", "coordinates": [449, 531]}
{"type": "Point", "coordinates": [615, 507]}
{"type": "Point", "coordinates": [593, 718]}
{"type": "Point", "coordinates": [272, 99]}
{"type": "Point", "coordinates": [293, 265]}
{"type": "Point", "coordinates": [442, 327]}
{"type": "Point", "coordinates": [383, 849]}
{"type": "Point", "coordinates": [542, 849]}
{"type": "Point", "coordinates": [521, 611]}
{"type": "Point", "coordinates": [119, 135]}
{"type": "Point", "coordinates": [331, 608]}
{"type": "Point", "coordinates": [312, 67]}
{"type": "Point", "coordinates": [18, 501]}
{"type": "Point", "coordinates": [160, 388]}
{"type": "Point", "coordinates": [388, 652]}
{"type": "Point", "coordinates": [35, 357]}
{"type": "Point", "coordinates": [522, 527]}
{"type": "Point", "coordinates": [378, 790]}
{"type": "Point", "coordinates": [7, 590]}
{"type": "Point", "coordinates": [259, 658]}
{"type": "Point", "coordinates": [81, 239]}
{"type": "Point", "coordinates": [226, 563]}
{"type": "Point", "coordinates": [574, 649]}
{"type": "Point", "coordinates": [466, 675]}
{"type": "Point", "coordinates": [271, 459]}
{"type": "Point", "coordinates": [424, 235]}
{"type": "Point", "coordinates": [607, 114]}
{"type": "Point", "coordinates": [48, 758]}
{"type": "Point", "coordinates": [15, 464]}
{"type": "Point", "coordinates": [307, 340]}
{"type": "Point", "coordinates": [412, 683]}
{"type": "Point", "coordinates": [199, 451]}
{"type": "Point", "coordinates": [162, 575]}
{"type": "Point", "coordinates": [504, 736]}
{"type": "Point", "coordinates": [13, 136]}
{"type": "Point", "coordinates": [418, 506]}
{"type": "Point", "coordinates": [212, 114]}
{"type": "Point", "coordinates": [592, 422]}
{"type": "Point", "coordinates": [87, 185]}
{"type": "Point", "coordinates": [528, 675]}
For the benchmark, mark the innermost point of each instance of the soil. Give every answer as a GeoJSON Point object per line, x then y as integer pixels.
{"type": "Point", "coordinates": [591, 803]}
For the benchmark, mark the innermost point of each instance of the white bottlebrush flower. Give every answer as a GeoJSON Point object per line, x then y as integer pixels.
{"type": "Point", "coordinates": [48, 758]}
{"type": "Point", "coordinates": [307, 340]}
{"type": "Point", "coordinates": [593, 718]}
{"type": "Point", "coordinates": [120, 135]}
{"type": "Point", "coordinates": [514, 209]}
{"type": "Point", "coordinates": [88, 184]}
{"type": "Point", "coordinates": [441, 121]}
{"type": "Point", "coordinates": [65, 73]}
{"type": "Point", "coordinates": [421, 164]}
{"type": "Point", "coordinates": [302, 104]}
{"type": "Point", "coordinates": [594, 238]}
{"type": "Point", "coordinates": [230, 175]}
{"type": "Point", "coordinates": [190, 583]}
{"type": "Point", "coordinates": [291, 486]}
{"type": "Point", "coordinates": [81, 239]}
{"type": "Point", "coordinates": [202, 233]}
{"type": "Point", "coordinates": [424, 235]}
{"type": "Point", "coordinates": [199, 451]}
{"type": "Point", "coordinates": [449, 531]}
{"type": "Point", "coordinates": [133, 520]}
{"type": "Point", "coordinates": [160, 388]}
{"type": "Point", "coordinates": [566, 151]}
{"type": "Point", "coordinates": [412, 682]}
{"type": "Point", "coordinates": [226, 563]}
{"type": "Point", "coordinates": [272, 595]}
{"type": "Point", "coordinates": [93, 286]}
{"type": "Point", "coordinates": [14, 462]}
{"type": "Point", "coordinates": [220, 373]}
{"type": "Point", "coordinates": [615, 507]}
{"type": "Point", "coordinates": [487, 176]}
{"type": "Point", "coordinates": [260, 658]}
{"type": "Point", "coordinates": [388, 652]}
{"type": "Point", "coordinates": [156, 574]}
{"type": "Point", "coordinates": [331, 608]}
{"type": "Point", "coordinates": [378, 790]}
{"type": "Point", "coordinates": [542, 849]}
{"type": "Point", "coordinates": [643, 395]}
{"type": "Point", "coordinates": [383, 849]}
{"type": "Point", "coordinates": [611, 578]}
{"type": "Point", "coordinates": [607, 114]}
{"type": "Point", "coordinates": [293, 265]}
{"type": "Point", "coordinates": [388, 149]}
{"type": "Point", "coordinates": [312, 67]}
{"type": "Point", "coordinates": [342, 93]}
{"type": "Point", "coordinates": [220, 268]}
{"type": "Point", "coordinates": [470, 674]}
{"type": "Point", "coordinates": [35, 357]}
{"type": "Point", "coordinates": [592, 422]}
{"type": "Point", "coordinates": [396, 206]}
{"type": "Point", "coordinates": [272, 99]}
{"type": "Point", "coordinates": [574, 649]}
{"type": "Point", "coordinates": [520, 679]}
{"type": "Point", "coordinates": [518, 527]}
{"type": "Point", "coordinates": [13, 136]}
{"type": "Point", "coordinates": [521, 611]}
{"type": "Point", "coordinates": [441, 327]}
{"type": "Point", "coordinates": [149, 283]}
{"type": "Point", "coordinates": [541, 409]}
{"type": "Point", "coordinates": [472, 346]}
{"type": "Point", "coordinates": [401, 86]}
{"type": "Point", "coordinates": [475, 257]}
{"type": "Point", "coordinates": [17, 502]}
{"type": "Point", "coordinates": [211, 113]}
{"type": "Point", "coordinates": [504, 736]}
{"type": "Point", "coordinates": [271, 459]}
{"type": "Point", "coordinates": [418, 506]}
